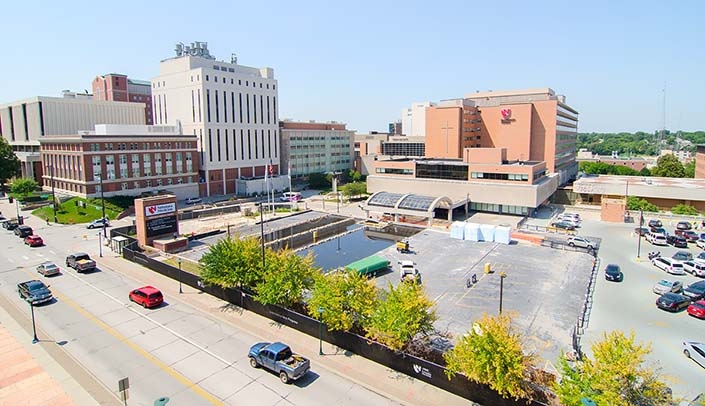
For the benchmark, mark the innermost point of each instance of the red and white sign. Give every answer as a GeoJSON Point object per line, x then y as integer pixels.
{"type": "Point", "coordinates": [506, 114]}
{"type": "Point", "coordinates": [159, 209]}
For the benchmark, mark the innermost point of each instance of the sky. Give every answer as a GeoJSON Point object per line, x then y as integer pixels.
{"type": "Point", "coordinates": [362, 62]}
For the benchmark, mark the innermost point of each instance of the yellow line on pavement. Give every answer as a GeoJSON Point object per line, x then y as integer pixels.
{"type": "Point", "coordinates": [151, 358]}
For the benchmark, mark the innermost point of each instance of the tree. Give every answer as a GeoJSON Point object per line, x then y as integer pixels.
{"type": "Point", "coordinates": [233, 262]}
{"type": "Point", "coordinates": [286, 277]}
{"type": "Point", "coordinates": [318, 181]}
{"type": "Point", "coordinates": [685, 209]}
{"type": "Point", "coordinates": [404, 312]}
{"type": "Point", "coordinates": [346, 298]}
{"type": "Point", "coordinates": [354, 189]}
{"type": "Point", "coordinates": [9, 163]}
{"type": "Point", "coordinates": [24, 186]}
{"type": "Point", "coordinates": [491, 353]}
{"type": "Point", "coordinates": [637, 203]}
{"type": "Point", "coordinates": [645, 172]}
{"type": "Point", "coordinates": [689, 169]}
{"type": "Point", "coordinates": [617, 375]}
{"type": "Point", "coordinates": [669, 166]}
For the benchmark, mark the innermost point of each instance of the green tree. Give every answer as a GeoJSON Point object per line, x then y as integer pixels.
{"type": "Point", "coordinates": [318, 181]}
{"type": "Point", "coordinates": [491, 353]}
{"type": "Point", "coordinates": [669, 166]}
{"type": "Point", "coordinates": [24, 186]}
{"type": "Point", "coordinates": [286, 277]}
{"type": "Point", "coordinates": [233, 262]}
{"type": "Point", "coordinates": [346, 298]}
{"type": "Point", "coordinates": [689, 169]}
{"type": "Point", "coordinates": [645, 172]}
{"type": "Point", "coordinates": [352, 190]}
{"type": "Point", "coordinates": [616, 376]}
{"type": "Point", "coordinates": [637, 203]}
{"type": "Point", "coordinates": [354, 175]}
{"type": "Point", "coordinates": [404, 312]}
{"type": "Point", "coordinates": [685, 210]}
{"type": "Point", "coordinates": [9, 163]}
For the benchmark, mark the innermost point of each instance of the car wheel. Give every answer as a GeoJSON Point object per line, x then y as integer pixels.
{"type": "Point", "coordinates": [253, 363]}
{"type": "Point", "coordinates": [283, 377]}
{"type": "Point", "coordinates": [571, 244]}
{"type": "Point", "coordinates": [144, 304]}
{"type": "Point", "coordinates": [686, 353]}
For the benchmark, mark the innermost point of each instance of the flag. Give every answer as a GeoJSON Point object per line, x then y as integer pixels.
{"type": "Point", "coordinates": [271, 168]}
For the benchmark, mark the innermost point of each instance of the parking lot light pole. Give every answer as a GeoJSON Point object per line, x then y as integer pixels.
{"type": "Point", "coordinates": [179, 262]}
{"type": "Point", "coordinates": [641, 224]}
{"type": "Point", "coordinates": [102, 205]}
{"type": "Point", "coordinates": [502, 275]}
{"type": "Point", "coordinates": [34, 328]}
{"type": "Point", "coordinates": [320, 331]}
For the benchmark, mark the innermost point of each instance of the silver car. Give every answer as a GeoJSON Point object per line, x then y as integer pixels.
{"type": "Point", "coordinates": [48, 269]}
{"type": "Point", "coordinates": [664, 286]}
{"type": "Point", "coordinates": [695, 351]}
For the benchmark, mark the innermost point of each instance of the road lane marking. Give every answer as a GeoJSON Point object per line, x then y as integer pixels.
{"type": "Point", "coordinates": [139, 350]}
{"type": "Point", "coordinates": [146, 317]}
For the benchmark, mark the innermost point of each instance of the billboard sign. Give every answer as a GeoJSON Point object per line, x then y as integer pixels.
{"type": "Point", "coordinates": [161, 225]}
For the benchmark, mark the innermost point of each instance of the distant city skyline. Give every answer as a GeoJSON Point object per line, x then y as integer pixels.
{"type": "Point", "coordinates": [363, 63]}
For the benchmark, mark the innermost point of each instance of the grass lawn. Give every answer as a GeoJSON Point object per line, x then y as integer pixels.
{"type": "Point", "coordinates": [186, 265]}
{"type": "Point", "coordinates": [70, 213]}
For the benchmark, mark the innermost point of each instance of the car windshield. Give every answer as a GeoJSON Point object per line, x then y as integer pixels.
{"type": "Point", "coordinates": [49, 266]}
{"type": "Point", "coordinates": [36, 285]}
{"type": "Point", "coordinates": [665, 283]}
{"type": "Point", "coordinates": [696, 288]}
{"type": "Point", "coordinates": [698, 305]}
{"type": "Point", "coordinates": [612, 269]}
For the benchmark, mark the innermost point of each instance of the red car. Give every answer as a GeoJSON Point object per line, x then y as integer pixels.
{"type": "Point", "coordinates": [147, 296]}
{"type": "Point", "coordinates": [34, 241]}
{"type": "Point", "coordinates": [697, 309]}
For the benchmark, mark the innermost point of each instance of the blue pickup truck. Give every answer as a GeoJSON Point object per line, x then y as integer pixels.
{"type": "Point", "coordinates": [278, 358]}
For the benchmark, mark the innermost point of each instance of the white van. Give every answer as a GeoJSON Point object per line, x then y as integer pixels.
{"type": "Point", "coordinates": [669, 265]}
{"type": "Point", "coordinates": [290, 197]}
{"type": "Point", "coordinates": [656, 238]}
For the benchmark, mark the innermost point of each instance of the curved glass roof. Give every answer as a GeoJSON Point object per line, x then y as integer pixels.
{"type": "Point", "coordinates": [385, 199]}
{"type": "Point", "coordinates": [408, 201]}
{"type": "Point", "coordinates": [417, 202]}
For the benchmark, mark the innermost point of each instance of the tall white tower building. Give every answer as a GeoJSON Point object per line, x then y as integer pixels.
{"type": "Point", "coordinates": [413, 120]}
{"type": "Point", "coordinates": [232, 110]}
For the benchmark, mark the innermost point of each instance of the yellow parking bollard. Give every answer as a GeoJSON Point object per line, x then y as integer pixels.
{"type": "Point", "coordinates": [488, 267]}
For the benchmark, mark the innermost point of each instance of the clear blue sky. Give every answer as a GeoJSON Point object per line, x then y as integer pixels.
{"type": "Point", "coordinates": [361, 62]}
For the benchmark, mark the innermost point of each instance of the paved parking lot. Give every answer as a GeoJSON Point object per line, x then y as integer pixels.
{"type": "Point", "coordinates": [544, 288]}
{"type": "Point", "coordinates": [630, 306]}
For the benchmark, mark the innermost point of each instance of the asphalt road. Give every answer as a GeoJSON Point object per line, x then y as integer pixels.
{"type": "Point", "coordinates": [174, 351]}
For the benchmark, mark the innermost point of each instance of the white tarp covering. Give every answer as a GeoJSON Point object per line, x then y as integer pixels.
{"type": "Point", "coordinates": [472, 232]}
{"type": "Point", "coordinates": [487, 232]}
{"type": "Point", "coordinates": [457, 230]}
{"type": "Point", "coordinates": [502, 234]}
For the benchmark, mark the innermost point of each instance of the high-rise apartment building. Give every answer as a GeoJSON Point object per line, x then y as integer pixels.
{"type": "Point", "coordinates": [117, 87]}
{"type": "Point", "coordinates": [230, 108]}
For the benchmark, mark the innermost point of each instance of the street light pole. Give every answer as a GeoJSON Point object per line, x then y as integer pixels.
{"type": "Point", "coordinates": [179, 262]}
{"type": "Point", "coordinates": [102, 204]}
{"type": "Point", "coordinates": [502, 275]}
{"type": "Point", "coordinates": [100, 245]}
{"type": "Point", "coordinates": [641, 224]}
{"type": "Point", "coordinates": [53, 196]}
{"type": "Point", "coordinates": [320, 331]}
{"type": "Point", "coordinates": [34, 328]}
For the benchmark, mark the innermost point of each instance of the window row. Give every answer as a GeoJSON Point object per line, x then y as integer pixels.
{"type": "Point", "coordinates": [136, 146]}
{"type": "Point", "coordinates": [227, 145]}
{"type": "Point", "coordinates": [521, 177]}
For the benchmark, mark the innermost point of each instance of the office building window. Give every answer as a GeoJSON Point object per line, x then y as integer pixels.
{"type": "Point", "coordinates": [268, 117]}
{"type": "Point", "coordinates": [169, 166]}
{"type": "Point", "coordinates": [247, 100]}
{"type": "Point", "coordinates": [208, 104]}
{"type": "Point", "coordinates": [225, 106]}
{"type": "Point", "coordinates": [274, 108]}
{"type": "Point", "coordinates": [269, 142]}
{"type": "Point", "coordinates": [217, 135]}
{"type": "Point", "coordinates": [158, 164]}
{"type": "Point", "coordinates": [249, 145]}
{"type": "Point", "coordinates": [189, 162]}
{"type": "Point", "coordinates": [227, 147]}
{"type": "Point", "coordinates": [135, 165]}
{"type": "Point", "coordinates": [232, 105]}
{"type": "Point", "coordinates": [261, 108]}
{"type": "Point", "coordinates": [262, 143]}
{"type": "Point", "coordinates": [242, 144]}
{"type": "Point", "coordinates": [199, 105]}
{"type": "Point", "coordinates": [256, 149]}
{"type": "Point", "coordinates": [240, 105]}
{"type": "Point", "coordinates": [147, 165]}
{"type": "Point", "coordinates": [217, 107]}
{"type": "Point", "coordinates": [210, 145]}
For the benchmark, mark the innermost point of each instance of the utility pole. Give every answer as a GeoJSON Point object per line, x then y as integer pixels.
{"type": "Point", "coordinates": [102, 204]}
{"type": "Point", "coordinates": [53, 196]}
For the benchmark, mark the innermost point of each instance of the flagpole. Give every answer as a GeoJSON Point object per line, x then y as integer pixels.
{"type": "Point", "coordinates": [288, 171]}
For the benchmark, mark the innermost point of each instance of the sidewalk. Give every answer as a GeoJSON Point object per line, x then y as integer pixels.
{"type": "Point", "coordinates": [377, 378]}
